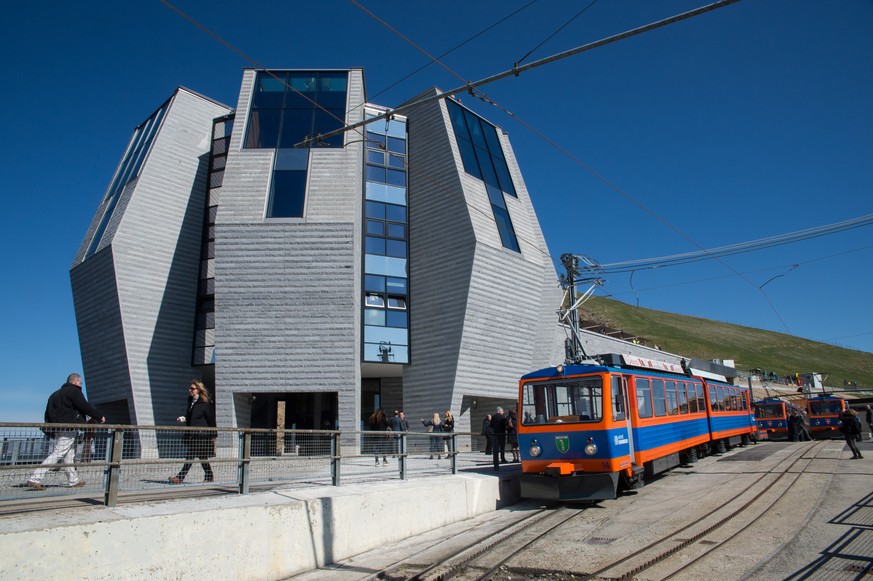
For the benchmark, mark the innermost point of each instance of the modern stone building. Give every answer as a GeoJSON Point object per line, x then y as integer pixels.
{"type": "Point", "coordinates": [399, 264]}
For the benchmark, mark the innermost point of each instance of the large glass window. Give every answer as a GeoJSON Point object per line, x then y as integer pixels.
{"type": "Point", "coordinates": [644, 397]}
{"type": "Point", "coordinates": [658, 397]}
{"type": "Point", "coordinates": [483, 158]}
{"type": "Point", "coordinates": [288, 107]}
{"type": "Point", "coordinates": [617, 398]}
{"type": "Point", "coordinates": [566, 401]}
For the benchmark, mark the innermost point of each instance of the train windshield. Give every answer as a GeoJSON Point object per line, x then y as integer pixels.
{"type": "Point", "coordinates": [828, 407]}
{"type": "Point", "coordinates": [768, 410]}
{"type": "Point", "coordinates": [578, 399]}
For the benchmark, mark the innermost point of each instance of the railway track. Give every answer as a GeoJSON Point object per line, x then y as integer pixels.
{"type": "Point", "coordinates": [660, 558]}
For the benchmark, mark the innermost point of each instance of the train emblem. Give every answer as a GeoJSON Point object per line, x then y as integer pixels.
{"type": "Point", "coordinates": [562, 443]}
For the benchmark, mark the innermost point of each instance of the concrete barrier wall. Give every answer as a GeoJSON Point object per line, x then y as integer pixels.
{"type": "Point", "coordinates": [268, 535]}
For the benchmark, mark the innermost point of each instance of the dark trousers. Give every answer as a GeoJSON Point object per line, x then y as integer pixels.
{"type": "Point", "coordinates": [197, 447]}
{"type": "Point", "coordinates": [498, 452]}
{"type": "Point", "coordinates": [850, 440]}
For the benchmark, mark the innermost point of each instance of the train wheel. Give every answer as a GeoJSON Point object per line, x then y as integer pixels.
{"type": "Point", "coordinates": [720, 447]}
{"type": "Point", "coordinates": [744, 440]}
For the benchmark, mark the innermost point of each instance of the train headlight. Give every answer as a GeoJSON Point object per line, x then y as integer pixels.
{"type": "Point", "coordinates": [591, 447]}
{"type": "Point", "coordinates": [535, 449]}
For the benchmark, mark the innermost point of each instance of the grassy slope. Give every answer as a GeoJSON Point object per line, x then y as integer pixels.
{"type": "Point", "coordinates": [748, 347]}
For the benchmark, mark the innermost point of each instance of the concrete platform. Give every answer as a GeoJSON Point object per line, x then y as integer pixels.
{"type": "Point", "coordinates": [264, 535]}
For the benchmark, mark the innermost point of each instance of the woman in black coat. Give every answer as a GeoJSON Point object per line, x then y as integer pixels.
{"type": "Point", "coordinates": [199, 443]}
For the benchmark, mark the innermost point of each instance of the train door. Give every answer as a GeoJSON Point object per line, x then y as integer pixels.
{"type": "Point", "coordinates": [621, 411]}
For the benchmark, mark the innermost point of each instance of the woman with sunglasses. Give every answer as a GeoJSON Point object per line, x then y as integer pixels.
{"type": "Point", "coordinates": [199, 443]}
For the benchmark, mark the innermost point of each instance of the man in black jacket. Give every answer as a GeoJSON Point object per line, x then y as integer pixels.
{"type": "Point", "coordinates": [65, 406]}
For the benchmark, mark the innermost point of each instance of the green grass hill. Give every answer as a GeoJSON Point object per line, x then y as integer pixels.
{"type": "Point", "coordinates": [749, 348]}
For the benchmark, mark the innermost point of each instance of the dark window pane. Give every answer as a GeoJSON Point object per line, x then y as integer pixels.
{"type": "Point", "coordinates": [263, 129]}
{"type": "Point", "coordinates": [288, 194]}
{"type": "Point", "coordinates": [396, 145]}
{"type": "Point", "coordinates": [375, 157]}
{"type": "Point", "coordinates": [495, 195]}
{"type": "Point", "coordinates": [503, 176]}
{"type": "Point", "coordinates": [456, 113]}
{"type": "Point", "coordinates": [488, 175]}
{"type": "Point", "coordinates": [396, 177]}
{"type": "Point", "coordinates": [376, 174]}
{"type": "Point", "coordinates": [327, 121]}
{"type": "Point", "coordinates": [396, 231]}
{"type": "Point", "coordinates": [375, 141]}
{"type": "Point", "coordinates": [396, 162]}
{"type": "Point", "coordinates": [492, 140]}
{"type": "Point", "coordinates": [396, 248]}
{"type": "Point", "coordinates": [375, 245]}
{"type": "Point", "coordinates": [332, 89]}
{"type": "Point", "coordinates": [301, 91]}
{"type": "Point", "coordinates": [396, 286]}
{"type": "Point", "coordinates": [269, 91]}
{"type": "Point", "coordinates": [504, 227]}
{"type": "Point", "coordinates": [374, 283]}
{"type": "Point", "coordinates": [475, 128]}
{"type": "Point", "coordinates": [296, 126]}
{"type": "Point", "coordinates": [375, 228]}
{"type": "Point", "coordinates": [376, 210]}
{"type": "Point", "coordinates": [468, 157]}
{"type": "Point", "coordinates": [397, 303]}
{"type": "Point", "coordinates": [396, 213]}
{"type": "Point", "coordinates": [397, 319]}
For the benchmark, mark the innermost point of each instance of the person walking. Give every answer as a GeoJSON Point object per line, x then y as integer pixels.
{"type": "Point", "coordinates": [851, 427]}
{"type": "Point", "coordinates": [198, 443]}
{"type": "Point", "coordinates": [435, 427]}
{"type": "Point", "coordinates": [448, 428]}
{"type": "Point", "coordinates": [67, 405]}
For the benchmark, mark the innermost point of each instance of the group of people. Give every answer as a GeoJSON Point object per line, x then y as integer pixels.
{"type": "Point", "coordinates": [382, 445]}
{"type": "Point", "coordinates": [797, 431]}
{"type": "Point", "coordinates": [501, 430]}
{"type": "Point", "coordinates": [436, 426]}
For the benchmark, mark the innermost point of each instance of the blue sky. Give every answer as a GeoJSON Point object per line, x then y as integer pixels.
{"type": "Point", "coordinates": [750, 121]}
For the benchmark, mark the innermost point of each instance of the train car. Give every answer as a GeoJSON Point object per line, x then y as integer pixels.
{"type": "Point", "coordinates": [772, 416]}
{"type": "Point", "coordinates": [589, 429]}
{"type": "Point", "coordinates": [824, 415]}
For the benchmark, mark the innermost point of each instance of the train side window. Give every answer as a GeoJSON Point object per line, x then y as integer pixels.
{"type": "Point", "coordinates": [617, 398]}
{"type": "Point", "coordinates": [683, 397]}
{"type": "Point", "coordinates": [701, 401]}
{"type": "Point", "coordinates": [658, 397]}
{"type": "Point", "coordinates": [692, 399]}
{"type": "Point", "coordinates": [644, 397]}
{"type": "Point", "coordinates": [713, 398]}
{"type": "Point", "coordinates": [672, 404]}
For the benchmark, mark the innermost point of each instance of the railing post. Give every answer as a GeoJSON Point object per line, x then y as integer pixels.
{"type": "Point", "coordinates": [335, 451]}
{"type": "Point", "coordinates": [453, 446]}
{"type": "Point", "coordinates": [402, 456]}
{"type": "Point", "coordinates": [245, 461]}
{"type": "Point", "coordinates": [113, 466]}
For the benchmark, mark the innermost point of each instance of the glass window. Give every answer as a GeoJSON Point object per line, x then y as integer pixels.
{"type": "Point", "coordinates": [396, 248]}
{"type": "Point", "coordinates": [374, 283]}
{"type": "Point", "coordinates": [375, 228]}
{"type": "Point", "coordinates": [397, 286]}
{"type": "Point", "coordinates": [288, 194]}
{"type": "Point", "coordinates": [504, 228]}
{"type": "Point", "coordinates": [374, 317]}
{"type": "Point", "coordinates": [396, 145]}
{"type": "Point", "coordinates": [396, 162]}
{"type": "Point", "coordinates": [375, 157]}
{"type": "Point", "coordinates": [374, 300]}
{"type": "Point", "coordinates": [683, 397]}
{"type": "Point", "coordinates": [644, 397]}
{"type": "Point", "coordinates": [396, 303]}
{"type": "Point", "coordinates": [376, 210]}
{"type": "Point", "coordinates": [617, 398]}
{"type": "Point", "coordinates": [396, 230]}
{"type": "Point", "coordinates": [658, 397]}
{"type": "Point", "coordinates": [672, 405]}
{"type": "Point", "coordinates": [565, 401]}
{"type": "Point", "coordinates": [376, 141]}
{"type": "Point", "coordinates": [397, 319]}
{"type": "Point", "coordinates": [396, 213]}
{"type": "Point", "coordinates": [264, 128]}
{"type": "Point", "coordinates": [375, 245]}
{"type": "Point", "coordinates": [377, 173]}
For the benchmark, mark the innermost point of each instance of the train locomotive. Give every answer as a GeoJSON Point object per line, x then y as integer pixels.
{"type": "Point", "coordinates": [824, 415]}
{"type": "Point", "coordinates": [772, 416]}
{"type": "Point", "coordinates": [592, 428]}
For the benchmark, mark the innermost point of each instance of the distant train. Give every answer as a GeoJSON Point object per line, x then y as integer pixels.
{"type": "Point", "coordinates": [772, 416]}
{"type": "Point", "coordinates": [589, 430]}
{"type": "Point", "coordinates": [824, 415]}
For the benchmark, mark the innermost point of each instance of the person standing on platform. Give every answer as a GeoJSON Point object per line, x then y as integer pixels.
{"type": "Point", "coordinates": [435, 427]}
{"type": "Point", "coordinates": [869, 417]}
{"type": "Point", "coordinates": [396, 426]}
{"type": "Point", "coordinates": [200, 443]}
{"type": "Point", "coordinates": [488, 432]}
{"type": "Point", "coordinates": [512, 435]}
{"type": "Point", "coordinates": [498, 424]}
{"type": "Point", "coordinates": [67, 405]}
{"type": "Point", "coordinates": [379, 423]}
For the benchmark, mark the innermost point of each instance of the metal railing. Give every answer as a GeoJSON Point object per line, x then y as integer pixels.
{"type": "Point", "coordinates": [116, 459]}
